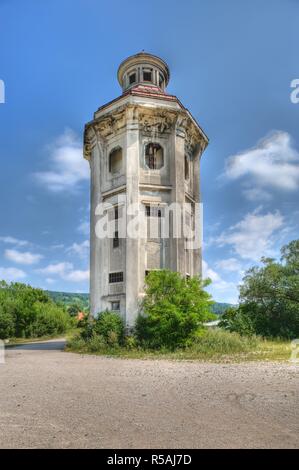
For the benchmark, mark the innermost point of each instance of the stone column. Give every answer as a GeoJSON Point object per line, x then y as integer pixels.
{"type": "Point", "coordinates": [95, 245]}
{"type": "Point", "coordinates": [132, 197]}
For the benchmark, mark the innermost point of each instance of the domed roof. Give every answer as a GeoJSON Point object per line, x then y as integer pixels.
{"type": "Point", "coordinates": [143, 59]}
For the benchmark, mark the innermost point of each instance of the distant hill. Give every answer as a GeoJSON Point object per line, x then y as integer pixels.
{"type": "Point", "coordinates": [69, 298]}
{"type": "Point", "coordinates": [219, 308]}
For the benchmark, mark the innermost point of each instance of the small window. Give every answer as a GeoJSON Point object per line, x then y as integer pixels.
{"type": "Point", "coordinates": [116, 214]}
{"type": "Point", "coordinates": [132, 78]}
{"type": "Point", "coordinates": [186, 167]}
{"type": "Point", "coordinates": [153, 211]}
{"type": "Point", "coordinates": [115, 160]}
{"type": "Point", "coordinates": [116, 277]}
{"type": "Point", "coordinates": [154, 158]}
{"type": "Point", "coordinates": [147, 75]}
{"type": "Point", "coordinates": [115, 305]}
{"type": "Point", "coordinates": [115, 240]}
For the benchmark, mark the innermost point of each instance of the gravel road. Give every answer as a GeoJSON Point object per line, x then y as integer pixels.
{"type": "Point", "coordinates": [53, 399]}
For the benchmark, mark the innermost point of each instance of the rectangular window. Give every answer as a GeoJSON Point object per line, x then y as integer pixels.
{"type": "Point", "coordinates": [115, 305]}
{"type": "Point", "coordinates": [116, 277]}
{"type": "Point", "coordinates": [153, 211]}
{"type": "Point", "coordinates": [115, 240]}
{"type": "Point", "coordinates": [116, 213]}
{"type": "Point", "coordinates": [147, 76]}
{"type": "Point", "coordinates": [132, 78]}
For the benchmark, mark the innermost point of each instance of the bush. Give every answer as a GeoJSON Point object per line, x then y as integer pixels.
{"type": "Point", "coordinates": [7, 324]}
{"type": "Point", "coordinates": [77, 343]}
{"type": "Point", "coordinates": [172, 310]}
{"type": "Point", "coordinates": [269, 298]}
{"type": "Point", "coordinates": [219, 342]}
{"type": "Point", "coordinates": [235, 321]}
{"type": "Point", "coordinates": [109, 325]}
{"type": "Point", "coordinates": [96, 343]}
{"type": "Point", "coordinates": [49, 320]}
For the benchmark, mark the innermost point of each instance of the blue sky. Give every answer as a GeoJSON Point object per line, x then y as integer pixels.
{"type": "Point", "coordinates": [231, 64]}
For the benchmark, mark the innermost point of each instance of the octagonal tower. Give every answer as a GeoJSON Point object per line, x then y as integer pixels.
{"type": "Point", "coordinates": [144, 149]}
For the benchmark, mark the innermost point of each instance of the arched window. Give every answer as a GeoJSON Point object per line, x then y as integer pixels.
{"type": "Point", "coordinates": [186, 167]}
{"type": "Point", "coordinates": [115, 160]}
{"type": "Point", "coordinates": [154, 158]}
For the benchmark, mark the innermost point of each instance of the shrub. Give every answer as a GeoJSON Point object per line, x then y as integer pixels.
{"type": "Point", "coordinates": [214, 342]}
{"type": "Point", "coordinates": [235, 321]}
{"type": "Point", "coordinates": [49, 320]}
{"type": "Point", "coordinates": [172, 310]}
{"type": "Point", "coordinates": [96, 343]}
{"type": "Point", "coordinates": [77, 343]}
{"type": "Point", "coordinates": [7, 324]}
{"type": "Point", "coordinates": [109, 325]}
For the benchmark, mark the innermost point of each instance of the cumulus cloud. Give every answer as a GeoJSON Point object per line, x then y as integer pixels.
{"type": "Point", "coordinates": [66, 272]}
{"type": "Point", "coordinates": [13, 241]}
{"type": "Point", "coordinates": [272, 164]}
{"type": "Point", "coordinates": [221, 290]}
{"type": "Point", "coordinates": [253, 236]}
{"type": "Point", "coordinates": [80, 249]}
{"type": "Point", "coordinates": [24, 257]}
{"type": "Point", "coordinates": [229, 264]}
{"type": "Point", "coordinates": [11, 274]}
{"type": "Point", "coordinates": [67, 165]}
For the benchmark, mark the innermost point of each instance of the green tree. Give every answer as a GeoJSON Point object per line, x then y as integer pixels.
{"type": "Point", "coordinates": [269, 297]}
{"type": "Point", "coordinates": [173, 309]}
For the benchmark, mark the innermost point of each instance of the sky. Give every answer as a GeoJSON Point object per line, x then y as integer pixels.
{"type": "Point", "coordinates": [231, 63]}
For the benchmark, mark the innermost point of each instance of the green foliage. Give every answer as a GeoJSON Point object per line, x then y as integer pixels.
{"type": "Point", "coordinates": [234, 320]}
{"type": "Point", "coordinates": [269, 298]}
{"type": "Point", "coordinates": [219, 342]}
{"type": "Point", "coordinates": [7, 324]}
{"type": "Point", "coordinates": [26, 311]}
{"type": "Point", "coordinates": [172, 310]}
{"type": "Point", "coordinates": [109, 325]}
{"type": "Point", "coordinates": [220, 307]}
{"type": "Point", "coordinates": [50, 319]}
{"type": "Point", "coordinates": [73, 309]}
{"type": "Point", "coordinates": [70, 298]}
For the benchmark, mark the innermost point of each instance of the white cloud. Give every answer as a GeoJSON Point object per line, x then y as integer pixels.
{"type": "Point", "coordinates": [66, 272]}
{"type": "Point", "coordinates": [257, 194]}
{"type": "Point", "coordinates": [11, 274]}
{"type": "Point", "coordinates": [24, 257]}
{"type": "Point", "coordinates": [49, 280]}
{"type": "Point", "coordinates": [221, 290]}
{"type": "Point", "coordinates": [253, 236]}
{"type": "Point", "coordinates": [273, 163]}
{"type": "Point", "coordinates": [80, 249]}
{"type": "Point", "coordinates": [58, 268]}
{"type": "Point", "coordinates": [84, 227]}
{"type": "Point", "coordinates": [77, 276]}
{"type": "Point", "coordinates": [13, 241]}
{"type": "Point", "coordinates": [67, 165]}
{"type": "Point", "coordinates": [229, 264]}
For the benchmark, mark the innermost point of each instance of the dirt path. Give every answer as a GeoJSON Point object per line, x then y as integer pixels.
{"type": "Point", "coordinates": [53, 399]}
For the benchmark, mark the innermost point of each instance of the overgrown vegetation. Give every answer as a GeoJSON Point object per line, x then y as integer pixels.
{"type": "Point", "coordinates": [28, 312]}
{"type": "Point", "coordinates": [269, 298]}
{"type": "Point", "coordinates": [173, 310]}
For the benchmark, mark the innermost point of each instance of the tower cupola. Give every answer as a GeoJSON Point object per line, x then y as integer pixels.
{"type": "Point", "coordinates": [143, 69]}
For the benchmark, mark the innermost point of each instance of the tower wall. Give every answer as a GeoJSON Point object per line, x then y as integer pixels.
{"type": "Point", "coordinates": [144, 150]}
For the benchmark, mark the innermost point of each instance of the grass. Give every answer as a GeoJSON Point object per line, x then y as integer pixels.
{"type": "Point", "coordinates": [213, 346]}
